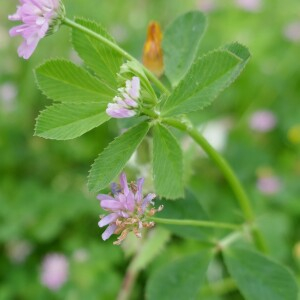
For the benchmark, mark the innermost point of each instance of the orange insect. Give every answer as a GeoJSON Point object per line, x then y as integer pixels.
{"type": "Point", "coordinates": [153, 54]}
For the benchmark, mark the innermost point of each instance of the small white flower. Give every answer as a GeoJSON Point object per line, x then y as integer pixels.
{"type": "Point", "coordinates": [124, 105]}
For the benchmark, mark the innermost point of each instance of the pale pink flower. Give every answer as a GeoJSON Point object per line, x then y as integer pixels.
{"type": "Point", "coordinates": [125, 105]}
{"type": "Point", "coordinates": [18, 250]}
{"type": "Point", "coordinates": [268, 185]}
{"type": "Point", "coordinates": [55, 268]}
{"type": "Point", "coordinates": [81, 255]}
{"type": "Point", "coordinates": [128, 209]}
{"type": "Point", "coordinates": [39, 17]}
{"type": "Point", "coordinates": [262, 121]}
{"type": "Point", "coordinates": [8, 94]}
{"type": "Point", "coordinates": [249, 5]}
{"type": "Point", "coordinates": [206, 5]}
{"type": "Point", "coordinates": [292, 31]}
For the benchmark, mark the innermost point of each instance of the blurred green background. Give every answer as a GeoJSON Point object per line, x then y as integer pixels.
{"type": "Point", "coordinates": [44, 203]}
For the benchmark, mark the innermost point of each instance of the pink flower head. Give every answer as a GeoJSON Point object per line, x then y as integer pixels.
{"type": "Point", "coordinates": [269, 185]}
{"type": "Point", "coordinates": [249, 5]}
{"type": "Point", "coordinates": [206, 5]}
{"type": "Point", "coordinates": [18, 250]}
{"type": "Point", "coordinates": [39, 17]}
{"type": "Point", "coordinates": [55, 269]}
{"type": "Point", "coordinates": [127, 208]}
{"type": "Point", "coordinates": [124, 106]}
{"type": "Point", "coordinates": [262, 121]}
{"type": "Point", "coordinates": [292, 31]}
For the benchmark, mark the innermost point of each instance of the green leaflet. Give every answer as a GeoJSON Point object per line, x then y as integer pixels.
{"type": "Point", "coordinates": [180, 279]}
{"type": "Point", "coordinates": [206, 78]}
{"type": "Point", "coordinates": [258, 277]}
{"type": "Point", "coordinates": [67, 121]}
{"type": "Point", "coordinates": [167, 164]}
{"type": "Point", "coordinates": [113, 159]}
{"type": "Point", "coordinates": [99, 57]}
{"type": "Point", "coordinates": [180, 44]}
{"type": "Point", "coordinates": [61, 80]}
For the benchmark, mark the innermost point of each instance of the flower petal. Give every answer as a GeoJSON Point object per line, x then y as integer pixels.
{"type": "Point", "coordinates": [139, 192]}
{"type": "Point", "coordinates": [130, 202]}
{"type": "Point", "coordinates": [114, 188]}
{"type": "Point", "coordinates": [122, 198]}
{"type": "Point", "coordinates": [124, 184]}
{"type": "Point", "coordinates": [147, 200]}
{"type": "Point", "coordinates": [111, 205]}
{"type": "Point", "coordinates": [130, 102]}
{"type": "Point", "coordinates": [109, 231]}
{"type": "Point", "coordinates": [108, 219]}
{"type": "Point", "coordinates": [114, 110]}
{"type": "Point", "coordinates": [135, 88]}
{"type": "Point", "coordinates": [102, 197]}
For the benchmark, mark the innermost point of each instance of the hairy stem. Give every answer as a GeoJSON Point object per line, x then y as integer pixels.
{"type": "Point", "coordinates": [128, 283]}
{"type": "Point", "coordinates": [228, 173]}
{"type": "Point", "coordinates": [118, 49]}
{"type": "Point", "coordinates": [196, 223]}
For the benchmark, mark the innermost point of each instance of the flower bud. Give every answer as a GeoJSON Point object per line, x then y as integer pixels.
{"type": "Point", "coordinates": [125, 105]}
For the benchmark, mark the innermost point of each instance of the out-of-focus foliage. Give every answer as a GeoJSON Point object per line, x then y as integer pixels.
{"type": "Point", "coordinates": [44, 203]}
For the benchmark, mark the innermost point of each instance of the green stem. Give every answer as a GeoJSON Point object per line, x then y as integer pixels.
{"type": "Point", "coordinates": [233, 181]}
{"type": "Point", "coordinates": [127, 285]}
{"type": "Point", "coordinates": [118, 49]}
{"type": "Point", "coordinates": [195, 223]}
{"type": "Point", "coordinates": [130, 278]}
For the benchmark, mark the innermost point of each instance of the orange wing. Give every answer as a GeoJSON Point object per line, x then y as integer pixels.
{"type": "Point", "coordinates": [153, 54]}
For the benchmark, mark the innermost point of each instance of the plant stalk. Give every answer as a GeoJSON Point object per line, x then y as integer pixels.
{"type": "Point", "coordinates": [196, 223]}
{"type": "Point", "coordinates": [128, 283]}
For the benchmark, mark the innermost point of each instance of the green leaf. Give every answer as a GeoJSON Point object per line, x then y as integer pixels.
{"type": "Point", "coordinates": [180, 280]}
{"type": "Point", "coordinates": [153, 245]}
{"type": "Point", "coordinates": [61, 80]}
{"type": "Point", "coordinates": [258, 277]}
{"type": "Point", "coordinates": [167, 164]}
{"type": "Point", "coordinates": [207, 77]}
{"type": "Point", "coordinates": [180, 44]}
{"type": "Point", "coordinates": [187, 208]}
{"type": "Point", "coordinates": [67, 121]}
{"type": "Point", "coordinates": [241, 52]}
{"type": "Point", "coordinates": [99, 57]}
{"type": "Point", "coordinates": [113, 158]}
